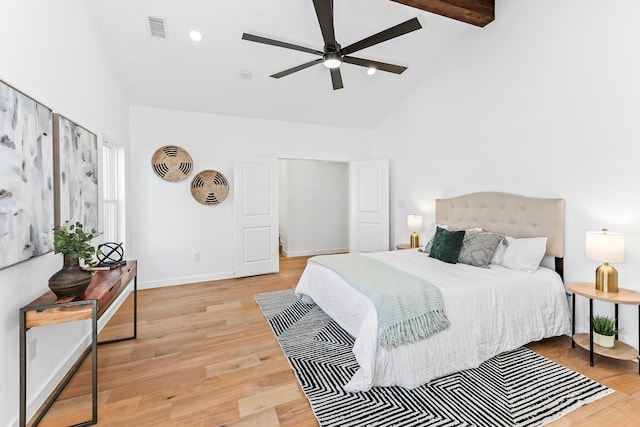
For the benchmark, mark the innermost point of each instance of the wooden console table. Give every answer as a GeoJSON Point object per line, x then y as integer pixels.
{"type": "Point", "coordinates": [103, 290]}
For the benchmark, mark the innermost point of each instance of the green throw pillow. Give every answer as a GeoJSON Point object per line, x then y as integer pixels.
{"type": "Point", "coordinates": [446, 245]}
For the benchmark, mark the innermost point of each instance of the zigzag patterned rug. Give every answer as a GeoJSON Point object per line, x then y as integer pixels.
{"type": "Point", "coordinates": [517, 388]}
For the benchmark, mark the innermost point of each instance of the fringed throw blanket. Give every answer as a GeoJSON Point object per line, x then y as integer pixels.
{"type": "Point", "coordinates": [409, 308]}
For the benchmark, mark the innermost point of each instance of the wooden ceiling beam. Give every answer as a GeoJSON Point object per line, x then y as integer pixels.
{"type": "Point", "coordinates": [475, 12]}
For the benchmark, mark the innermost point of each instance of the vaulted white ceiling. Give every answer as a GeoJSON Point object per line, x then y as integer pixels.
{"type": "Point", "coordinates": [178, 73]}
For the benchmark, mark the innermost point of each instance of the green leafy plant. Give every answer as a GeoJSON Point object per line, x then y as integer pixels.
{"type": "Point", "coordinates": [604, 325]}
{"type": "Point", "coordinates": [74, 241]}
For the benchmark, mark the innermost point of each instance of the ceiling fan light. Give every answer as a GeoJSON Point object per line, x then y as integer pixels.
{"type": "Point", "coordinates": [332, 60]}
{"type": "Point", "coordinates": [371, 71]}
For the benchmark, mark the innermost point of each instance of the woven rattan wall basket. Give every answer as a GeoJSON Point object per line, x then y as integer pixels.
{"type": "Point", "coordinates": [209, 187]}
{"type": "Point", "coordinates": [172, 163]}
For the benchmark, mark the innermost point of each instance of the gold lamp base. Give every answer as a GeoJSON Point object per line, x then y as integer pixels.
{"type": "Point", "coordinates": [607, 278]}
{"type": "Point", "coordinates": [415, 240]}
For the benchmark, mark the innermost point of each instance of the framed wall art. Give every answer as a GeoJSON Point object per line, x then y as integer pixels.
{"type": "Point", "coordinates": [26, 177]}
{"type": "Point", "coordinates": [75, 174]}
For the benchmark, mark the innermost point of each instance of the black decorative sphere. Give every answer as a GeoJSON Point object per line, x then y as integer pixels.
{"type": "Point", "coordinates": [110, 253]}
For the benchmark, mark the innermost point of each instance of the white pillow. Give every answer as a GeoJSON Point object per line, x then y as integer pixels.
{"type": "Point", "coordinates": [498, 255]}
{"type": "Point", "coordinates": [524, 254]}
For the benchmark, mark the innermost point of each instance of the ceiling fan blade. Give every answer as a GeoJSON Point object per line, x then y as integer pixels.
{"type": "Point", "coordinates": [382, 66]}
{"type": "Point", "coordinates": [388, 34]}
{"type": "Point", "coordinates": [297, 68]}
{"type": "Point", "coordinates": [264, 40]}
{"type": "Point", "coordinates": [324, 12]}
{"type": "Point", "coordinates": [336, 78]}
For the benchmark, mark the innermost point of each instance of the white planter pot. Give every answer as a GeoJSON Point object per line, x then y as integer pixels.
{"type": "Point", "coordinates": [603, 340]}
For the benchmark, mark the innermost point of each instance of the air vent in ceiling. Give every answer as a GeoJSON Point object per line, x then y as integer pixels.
{"type": "Point", "coordinates": [158, 28]}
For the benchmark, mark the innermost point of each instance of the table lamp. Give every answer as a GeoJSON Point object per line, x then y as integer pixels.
{"type": "Point", "coordinates": [605, 247]}
{"type": "Point", "coordinates": [414, 224]}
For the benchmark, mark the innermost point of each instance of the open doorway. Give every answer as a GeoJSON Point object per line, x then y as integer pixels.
{"type": "Point", "coordinates": [313, 207]}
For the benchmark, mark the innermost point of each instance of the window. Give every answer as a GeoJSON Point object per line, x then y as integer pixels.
{"type": "Point", "coordinates": [113, 192]}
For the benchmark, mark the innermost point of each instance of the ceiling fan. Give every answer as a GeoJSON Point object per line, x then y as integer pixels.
{"type": "Point", "coordinates": [333, 55]}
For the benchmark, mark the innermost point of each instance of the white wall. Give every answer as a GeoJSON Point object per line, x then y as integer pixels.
{"type": "Point", "coordinates": [168, 224]}
{"type": "Point", "coordinates": [542, 102]}
{"type": "Point", "coordinates": [315, 217]}
{"type": "Point", "coordinates": [50, 51]}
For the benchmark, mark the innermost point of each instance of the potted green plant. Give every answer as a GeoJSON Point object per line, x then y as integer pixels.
{"type": "Point", "coordinates": [73, 243]}
{"type": "Point", "coordinates": [604, 330]}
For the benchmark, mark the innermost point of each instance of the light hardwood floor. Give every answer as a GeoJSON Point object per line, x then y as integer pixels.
{"type": "Point", "coordinates": [205, 356]}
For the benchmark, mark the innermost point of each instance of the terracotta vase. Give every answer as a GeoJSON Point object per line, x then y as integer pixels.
{"type": "Point", "coordinates": [71, 280]}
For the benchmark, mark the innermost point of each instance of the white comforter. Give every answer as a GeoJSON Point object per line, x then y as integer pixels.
{"type": "Point", "coordinates": [490, 310]}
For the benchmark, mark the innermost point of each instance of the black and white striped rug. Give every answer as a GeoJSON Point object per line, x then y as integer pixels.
{"type": "Point", "coordinates": [517, 388]}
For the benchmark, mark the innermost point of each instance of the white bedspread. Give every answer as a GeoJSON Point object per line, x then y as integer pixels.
{"type": "Point", "coordinates": [490, 310]}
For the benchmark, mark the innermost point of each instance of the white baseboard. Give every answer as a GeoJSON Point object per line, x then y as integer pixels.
{"type": "Point", "coordinates": [185, 280]}
{"type": "Point", "coordinates": [316, 252]}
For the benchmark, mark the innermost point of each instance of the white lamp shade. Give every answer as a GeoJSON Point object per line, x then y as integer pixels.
{"type": "Point", "coordinates": [604, 246]}
{"type": "Point", "coordinates": [414, 222]}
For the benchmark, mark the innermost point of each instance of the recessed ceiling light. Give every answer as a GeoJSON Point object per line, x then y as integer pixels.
{"type": "Point", "coordinates": [194, 35]}
{"type": "Point", "coordinates": [371, 71]}
{"type": "Point", "coordinates": [246, 74]}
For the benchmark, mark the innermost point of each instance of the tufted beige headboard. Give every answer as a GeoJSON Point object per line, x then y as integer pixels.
{"type": "Point", "coordinates": [510, 214]}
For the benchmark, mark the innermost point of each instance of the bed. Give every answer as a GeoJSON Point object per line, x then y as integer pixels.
{"type": "Point", "coordinates": [490, 310]}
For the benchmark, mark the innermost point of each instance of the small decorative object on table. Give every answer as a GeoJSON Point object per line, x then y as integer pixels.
{"type": "Point", "coordinates": [110, 255]}
{"type": "Point", "coordinates": [71, 281]}
{"type": "Point", "coordinates": [604, 331]}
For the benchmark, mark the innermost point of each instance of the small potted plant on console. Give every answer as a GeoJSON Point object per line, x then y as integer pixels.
{"type": "Point", "coordinates": [73, 242]}
{"type": "Point", "coordinates": [604, 331]}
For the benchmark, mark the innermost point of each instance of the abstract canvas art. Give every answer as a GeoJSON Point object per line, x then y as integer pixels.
{"type": "Point", "coordinates": [76, 174]}
{"type": "Point", "coordinates": [26, 177]}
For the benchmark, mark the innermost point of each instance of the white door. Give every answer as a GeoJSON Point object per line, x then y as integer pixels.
{"type": "Point", "coordinates": [369, 206]}
{"type": "Point", "coordinates": [256, 216]}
